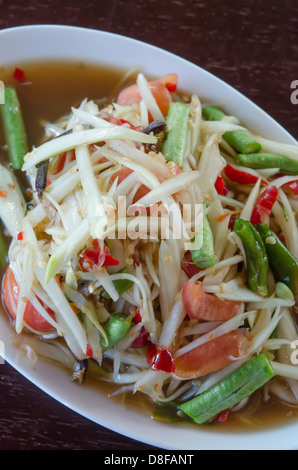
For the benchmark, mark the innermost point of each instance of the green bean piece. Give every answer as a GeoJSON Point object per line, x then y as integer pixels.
{"type": "Point", "coordinates": [268, 160]}
{"type": "Point", "coordinates": [14, 128]}
{"type": "Point", "coordinates": [204, 257]}
{"type": "Point", "coordinates": [283, 264]}
{"type": "Point", "coordinates": [116, 329]}
{"type": "Point", "coordinates": [121, 285]}
{"type": "Point", "coordinates": [212, 113]}
{"type": "Point", "coordinates": [230, 391]}
{"type": "Point", "coordinates": [257, 264]}
{"type": "Point", "coordinates": [3, 251]}
{"type": "Point", "coordinates": [242, 141]}
{"type": "Point", "coordinates": [175, 143]}
{"type": "Point", "coordinates": [239, 139]}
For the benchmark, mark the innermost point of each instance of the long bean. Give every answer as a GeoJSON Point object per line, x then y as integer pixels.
{"type": "Point", "coordinates": [257, 264]}
{"type": "Point", "coordinates": [14, 128]}
{"type": "Point", "coordinates": [268, 160]}
{"type": "Point", "coordinates": [175, 144]}
{"type": "Point", "coordinates": [283, 264]}
{"type": "Point", "coordinates": [239, 139]}
{"type": "Point", "coordinates": [230, 391]}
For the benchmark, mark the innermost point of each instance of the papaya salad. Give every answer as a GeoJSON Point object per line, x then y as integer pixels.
{"type": "Point", "coordinates": [198, 322]}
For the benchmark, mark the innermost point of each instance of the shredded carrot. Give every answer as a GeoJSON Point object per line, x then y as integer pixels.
{"type": "Point", "coordinates": [223, 216]}
{"type": "Point", "coordinates": [3, 193]}
{"type": "Point", "coordinates": [74, 308]}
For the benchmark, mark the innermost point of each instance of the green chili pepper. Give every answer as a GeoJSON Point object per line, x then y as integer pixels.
{"type": "Point", "coordinates": [204, 257]}
{"type": "Point", "coordinates": [121, 285]}
{"type": "Point", "coordinates": [268, 160]}
{"type": "Point", "coordinates": [14, 128]}
{"type": "Point", "coordinates": [256, 256]}
{"type": "Point", "coordinates": [116, 329]}
{"type": "Point", "coordinates": [175, 143]}
{"type": "Point", "coordinates": [230, 391]}
{"type": "Point", "coordinates": [283, 264]}
{"type": "Point", "coordinates": [239, 139]}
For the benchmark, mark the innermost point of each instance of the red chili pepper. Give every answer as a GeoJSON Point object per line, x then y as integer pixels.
{"type": "Point", "coordinates": [170, 81]}
{"type": "Point", "coordinates": [109, 259]}
{"type": "Point", "coordinates": [264, 205]}
{"type": "Point", "coordinates": [291, 188]}
{"type": "Point", "coordinates": [19, 75]}
{"type": "Point", "coordinates": [119, 122]}
{"type": "Point", "coordinates": [222, 417]}
{"type": "Point", "coordinates": [89, 351]}
{"type": "Point", "coordinates": [241, 177]}
{"type": "Point", "coordinates": [220, 186]}
{"type": "Point", "coordinates": [95, 256]}
{"type": "Point", "coordinates": [188, 265]}
{"type": "Point", "coordinates": [142, 340]}
{"type": "Point", "coordinates": [160, 358]}
{"type": "Point", "coordinates": [20, 236]}
{"type": "Point", "coordinates": [137, 318]}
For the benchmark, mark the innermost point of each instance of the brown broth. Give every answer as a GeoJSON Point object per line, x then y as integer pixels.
{"type": "Point", "coordinates": [50, 90]}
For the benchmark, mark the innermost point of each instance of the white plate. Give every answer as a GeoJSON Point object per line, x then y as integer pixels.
{"type": "Point", "coordinates": [41, 42]}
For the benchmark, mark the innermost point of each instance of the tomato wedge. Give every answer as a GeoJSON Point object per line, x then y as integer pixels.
{"type": "Point", "coordinates": [211, 356]}
{"type": "Point", "coordinates": [10, 292]}
{"type": "Point", "coordinates": [207, 307]}
{"type": "Point", "coordinates": [161, 90]}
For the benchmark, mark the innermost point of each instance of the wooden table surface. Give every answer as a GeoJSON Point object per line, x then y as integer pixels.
{"type": "Point", "coordinates": [252, 45]}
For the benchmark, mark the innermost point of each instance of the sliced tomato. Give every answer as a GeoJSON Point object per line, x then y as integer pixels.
{"type": "Point", "coordinates": [161, 90]}
{"type": "Point", "coordinates": [211, 356]}
{"type": "Point", "coordinates": [10, 292]}
{"type": "Point", "coordinates": [141, 192]}
{"type": "Point", "coordinates": [121, 174]}
{"type": "Point", "coordinates": [207, 307]}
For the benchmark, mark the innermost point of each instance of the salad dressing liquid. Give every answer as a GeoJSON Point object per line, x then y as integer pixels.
{"type": "Point", "coordinates": [48, 91]}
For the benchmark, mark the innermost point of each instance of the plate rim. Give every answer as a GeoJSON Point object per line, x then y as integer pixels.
{"type": "Point", "coordinates": [276, 431]}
